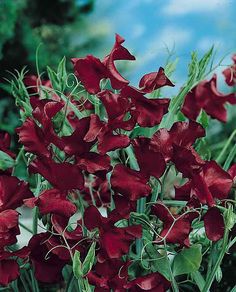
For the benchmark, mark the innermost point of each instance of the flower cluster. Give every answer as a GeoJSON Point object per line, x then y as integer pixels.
{"type": "Point", "coordinates": [100, 153]}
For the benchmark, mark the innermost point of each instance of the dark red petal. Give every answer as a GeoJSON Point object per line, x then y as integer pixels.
{"type": "Point", "coordinates": [218, 181]}
{"type": "Point", "coordinates": [154, 282]}
{"type": "Point", "coordinates": [118, 52]}
{"type": "Point", "coordinates": [187, 160]}
{"type": "Point", "coordinates": [150, 162]}
{"type": "Point", "coordinates": [13, 192]}
{"type": "Point", "coordinates": [90, 71]}
{"type": "Point", "coordinates": [214, 224]}
{"type": "Point", "coordinates": [33, 139]}
{"type": "Point", "coordinates": [92, 218]}
{"type": "Point", "coordinates": [63, 176]}
{"type": "Point", "coordinates": [109, 142]}
{"type": "Point", "coordinates": [154, 80]}
{"type": "Point", "coordinates": [149, 112]}
{"type": "Point", "coordinates": [93, 162]}
{"type": "Point", "coordinates": [129, 183]}
{"type": "Point", "coordinates": [53, 201]}
{"type": "Point", "coordinates": [45, 270]}
{"type": "Point", "coordinates": [75, 143]}
{"type": "Point", "coordinates": [181, 133]}
{"type": "Point", "coordinates": [9, 271]}
{"type": "Point", "coordinates": [191, 109]}
{"type": "Point", "coordinates": [95, 127]}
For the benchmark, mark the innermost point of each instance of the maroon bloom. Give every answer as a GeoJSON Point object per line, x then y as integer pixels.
{"type": "Point", "coordinates": [209, 184]}
{"type": "Point", "coordinates": [118, 52]}
{"type": "Point", "coordinates": [153, 282]}
{"type": "Point", "coordinates": [9, 228]}
{"type": "Point", "coordinates": [63, 176]}
{"type": "Point", "coordinates": [93, 162]}
{"type": "Point", "coordinates": [114, 241]}
{"type": "Point", "coordinates": [110, 274]}
{"type": "Point", "coordinates": [214, 224]}
{"type": "Point", "coordinates": [230, 73]}
{"type": "Point", "coordinates": [148, 111]}
{"type": "Point", "coordinates": [9, 268]}
{"type": "Point", "coordinates": [183, 134]}
{"type": "Point", "coordinates": [12, 192]}
{"type": "Point", "coordinates": [47, 269]}
{"type": "Point", "coordinates": [150, 162]}
{"type": "Point", "coordinates": [52, 201]}
{"type": "Point", "coordinates": [130, 183]}
{"type": "Point", "coordinates": [91, 70]}
{"type": "Point", "coordinates": [154, 80]}
{"type": "Point", "coordinates": [206, 96]}
{"type": "Point", "coordinates": [187, 160]}
{"type": "Point", "coordinates": [176, 228]}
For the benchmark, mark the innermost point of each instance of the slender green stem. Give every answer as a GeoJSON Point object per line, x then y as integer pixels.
{"type": "Point", "coordinates": [35, 220]}
{"type": "Point", "coordinates": [25, 227]}
{"type": "Point", "coordinates": [230, 157]}
{"type": "Point", "coordinates": [173, 281]}
{"type": "Point", "coordinates": [212, 274]}
{"type": "Point", "coordinates": [26, 288]}
{"type": "Point", "coordinates": [224, 150]}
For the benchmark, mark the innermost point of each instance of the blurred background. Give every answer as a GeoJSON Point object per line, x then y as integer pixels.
{"type": "Point", "coordinates": [154, 31]}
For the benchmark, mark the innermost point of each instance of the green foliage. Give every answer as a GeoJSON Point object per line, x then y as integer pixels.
{"type": "Point", "coordinates": [5, 161]}
{"type": "Point", "coordinates": [188, 260]}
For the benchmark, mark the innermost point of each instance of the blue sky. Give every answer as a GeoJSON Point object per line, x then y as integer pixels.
{"type": "Point", "coordinates": [150, 25]}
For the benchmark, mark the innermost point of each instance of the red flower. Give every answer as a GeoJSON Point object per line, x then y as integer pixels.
{"type": "Point", "coordinates": [150, 162]}
{"type": "Point", "coordinates": [206, 96]}
{"type": "Point", "coordinates": [176, 228]}
{"type": "Point", "coordinates": [183, 134]}
{"type": "Point", "coordinates": [91, 70]}
{"type": "Point", "coordinates": [154, 80]}
{"type": "Point", "coordinates": [209, 184]}
{"type": "Point", "coordinates": [230, 73]}
{"type": "Point", "coordinates": [52, 201]}
{"type": "Point", "coordinates": [187, 160]}
{"type": "Point", "coordinates": [110, 274]}
{"type": "Point", "coordinates": [107, 140]}
{"type": "Point", "coordinates": [9, 228]}
{"type": "Point", "coordinates": [114, 241]}
{"type": "Point", "coordinates": [12, 192]}
{"type": "Point", "coordinates": [214, 224]}
{"type": "Point", "coordinates": [48, 270]}
{"type": "Point", "coordinates": [153, 282]}
{"type": "Point", "coordinates": [130, 183]}
{"type": "Point", "coordinates": [63, 176]}
{"type": "Point", "coordinates": [38, 139]}
{"type": "Point", "coordinates": [93, 162]}
{"type": "Point", "coordinates": [5, 143]}
{"type": "Point", "coordinates": [9, 268]}
{"type": "Point", "coordinates": [148, 112]}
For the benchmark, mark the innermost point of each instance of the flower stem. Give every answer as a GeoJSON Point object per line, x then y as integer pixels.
{"type": "Point", "coordinates": [212, 275]}
{"type": "Point", "coordinates": [227, 144]}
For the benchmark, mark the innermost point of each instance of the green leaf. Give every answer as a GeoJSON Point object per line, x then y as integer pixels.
{"type": "Point", "coordinates": [53, 78]}
{"type": "Point", "coordinates": [62, 74]}
{"type": "Point", "coordinates": [203, 149]}
{"type": "Point", "coordinates": [89, 260]}
{"type": "Point", "coordinates": [204, 62]}
{"type": "Point", "coordinates": [6, 161]}
{"type": "Point", "coordinates": [188, 260]}
{"type": "Point", "coordinates": [159, 261]}
{"type": "Point", "coordinates": [77, 265]}
{"type": "Point", "coordinates": [203, 119]}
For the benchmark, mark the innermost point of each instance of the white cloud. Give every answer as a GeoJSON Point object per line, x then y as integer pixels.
{"type": "Point", "coordinates": [138, 30]}
{"type": "Point", "coordinates": [170, 37]}
{"type": "Point", "coordinates": [206, 43]}
{"type": "Point", "coordinates": [181, 7]}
